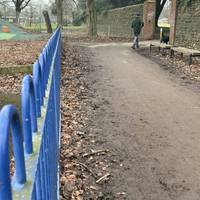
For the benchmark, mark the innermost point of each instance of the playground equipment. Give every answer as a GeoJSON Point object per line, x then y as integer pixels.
{"type": "Point", "coordinates": [5, 29]}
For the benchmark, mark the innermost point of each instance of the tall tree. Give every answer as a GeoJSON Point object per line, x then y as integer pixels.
{"type": "Point", "coordinates": [19, 6]}
{"type": "Point", "coordinates": [31, 15]}
{"type": "Point", "coordinates": [59, 11]}
{"type": "Point", "coordinates": [91, 18]}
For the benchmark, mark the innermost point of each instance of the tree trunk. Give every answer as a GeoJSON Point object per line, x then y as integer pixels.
{"type": "Point", "coordinates": [17, 16]}
{"type": "Point", "coordinates": [47, 21]}
{"type": "Point", "coordinates": [5, 14]}
{"type": "Point", "coordinates": [59, 10]}
{"type": "Point", "coordinates": [91, 18]}
{"type": "Point", "coordinates": [31, 15]}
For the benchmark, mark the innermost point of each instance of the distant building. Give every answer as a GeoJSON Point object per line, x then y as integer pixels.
{"type": "Point", "coordinates": [9, 18]}
{"type": "Point", "coordinates": [12, 19]}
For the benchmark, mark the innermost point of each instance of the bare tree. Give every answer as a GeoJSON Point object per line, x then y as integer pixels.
{"type": "Point", "coordinates": [59, 11]}
{"type": "Point", "coordinates": [19, 6]}
{"type": "Point", "coordinates": [74, 1]}
{"type": "Point", "coordinates": [31, 14]}
{"type": "Point", "coordinates": [91, 18]}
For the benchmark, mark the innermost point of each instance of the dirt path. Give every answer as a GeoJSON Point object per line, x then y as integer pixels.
{"type": "Point", "coordinates": [149, 122]}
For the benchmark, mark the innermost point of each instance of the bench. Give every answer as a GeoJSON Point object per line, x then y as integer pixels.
{"type": "Point", "coordinates": [160, 46]}
{"type": "Point", "coordinates": [190, 53]}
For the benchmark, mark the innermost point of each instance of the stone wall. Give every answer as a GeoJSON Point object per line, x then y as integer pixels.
{"type": "Point", "coordinates": [117, 22]}
{"type": "Point", "coordinates": [188, 24]}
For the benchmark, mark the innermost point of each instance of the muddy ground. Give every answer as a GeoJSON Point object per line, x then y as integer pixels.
{"type": "Point", "coordinates": [86, 161]}
{"type": "Point", "coordinates": [130, 129]}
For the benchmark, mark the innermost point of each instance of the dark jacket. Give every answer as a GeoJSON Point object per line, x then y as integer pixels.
{"type": "Point", "coordinates": [137, 25]}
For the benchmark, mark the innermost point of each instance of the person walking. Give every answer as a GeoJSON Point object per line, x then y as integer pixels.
{"type": "Point", "coordinates": [137, 25]}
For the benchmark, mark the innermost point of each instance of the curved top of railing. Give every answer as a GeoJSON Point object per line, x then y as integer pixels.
{"type": "Point", "coordinates": [9, 118]}
{"type": "Point", "coordinates": [29, 118]}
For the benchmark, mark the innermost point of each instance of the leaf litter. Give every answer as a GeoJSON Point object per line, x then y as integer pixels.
{"type": "Point", "coordinates": [85, 170]}
{"type": "Point", "coordinates": [20, 52]}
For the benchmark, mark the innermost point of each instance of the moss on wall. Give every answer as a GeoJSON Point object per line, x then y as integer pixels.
{"type": "Point", "coordinates": [188, 24]}
{"type": "Point", "coordinates": [117, 22]}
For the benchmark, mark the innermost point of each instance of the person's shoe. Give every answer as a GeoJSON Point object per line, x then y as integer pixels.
{"type": "Point", "coordinates": [133, 47]}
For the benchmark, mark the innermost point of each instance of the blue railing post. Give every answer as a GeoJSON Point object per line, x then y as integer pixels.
{"type": "Point", "coordinates": [37, 80]}
{"type": "Point", "coordinates": [41, 61]}
{"type": "Point", "coordinates": [29, 119]}
{"type": "Point", "coordinates": [10, 119]}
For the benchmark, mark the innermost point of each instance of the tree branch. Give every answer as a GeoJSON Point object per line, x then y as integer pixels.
{"type": "Point", "coordinates": [75, 3]}
{"type": "Point", "coordinates": [25, 4]}
{"type": "Point", "coordinates": [14, 2]}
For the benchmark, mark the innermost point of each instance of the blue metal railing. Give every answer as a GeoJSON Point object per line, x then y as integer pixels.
{"type": "Point", "coordinates": [35, 143]}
